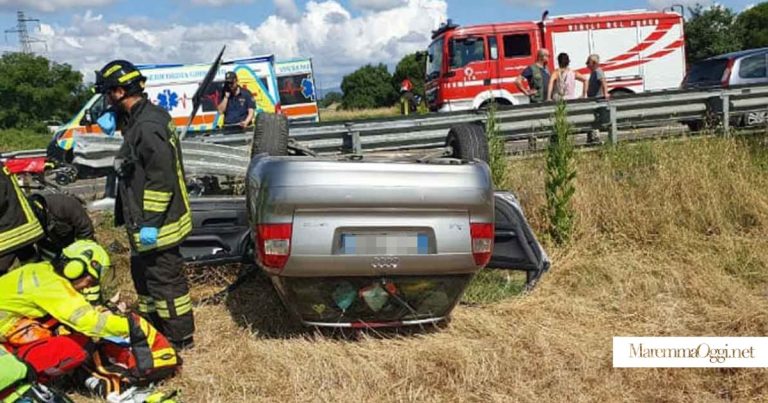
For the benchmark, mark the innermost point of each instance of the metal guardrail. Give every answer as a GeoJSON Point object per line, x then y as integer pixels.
{"type": "Point", "coordinates": [220, 154]}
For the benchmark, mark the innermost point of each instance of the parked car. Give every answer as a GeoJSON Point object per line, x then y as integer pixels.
{"type": "Point", "coordinates": [744, 68]}
{"type": "Point", "coordinates": [731, 69]}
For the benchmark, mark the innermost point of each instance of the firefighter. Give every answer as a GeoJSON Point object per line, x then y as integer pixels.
{"type": "Point", "coordinates": [19, 229]}
{"type": "Point", "coordinates": [64, 220]}
{"type": "Point", "coordinates": [152, 201]}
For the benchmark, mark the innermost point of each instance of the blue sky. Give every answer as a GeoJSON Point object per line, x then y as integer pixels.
{"type": "Point", "coordinates": [338, 35]}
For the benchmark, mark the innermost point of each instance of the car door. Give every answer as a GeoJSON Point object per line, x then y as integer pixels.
{"type": "Point", "coordinates": [515, 244]}
{"type": "Point", "coordinates": [469, 66]}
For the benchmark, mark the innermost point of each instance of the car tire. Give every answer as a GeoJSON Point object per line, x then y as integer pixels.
{"type": "Point", "coordinates": [468, 142]}
{"type": "Point", "coordinates": [270, 135]}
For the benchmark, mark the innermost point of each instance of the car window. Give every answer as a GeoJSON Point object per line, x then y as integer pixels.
{"type": "Point", "coordinates": [518, 45]}
{"type": "Point", "coordinates": [98, 107]}
{"type": "Point", "coordinates": [466, 50]}
{"type": "Point", "coordinates": [493, 48]}
{"type": "Point", "coordinates": [753, 67]}
{"type": "Point", "coordinates": [707, 71]}
{"type": "Point", "coordinates": [435, 59]}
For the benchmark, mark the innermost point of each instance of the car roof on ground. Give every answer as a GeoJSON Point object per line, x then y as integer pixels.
{"type": "Point", "coordinates": [741, 53]}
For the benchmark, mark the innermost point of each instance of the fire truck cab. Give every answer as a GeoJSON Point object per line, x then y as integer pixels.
{"type": "Point", "coordinates": [468, 67]}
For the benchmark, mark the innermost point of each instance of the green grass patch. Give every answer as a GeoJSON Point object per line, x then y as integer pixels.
{"type": "Point", "coordinates": [23, 139]}
{"type": "Point", "coordinates": [492, 285]}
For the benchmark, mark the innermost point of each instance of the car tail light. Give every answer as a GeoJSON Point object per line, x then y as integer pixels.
{"type": "Point", "coordinates": [725, 80]}
{"type": "Point", "coordinates": [278, 109]}
{"type": "Point", "coordinates": [274, 243]}
{"type": "Point", "coordinates": [482, 242]}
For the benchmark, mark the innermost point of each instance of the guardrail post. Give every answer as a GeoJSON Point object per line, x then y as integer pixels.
{"type": "Point", "coordinates": [726, 114]}
{"type": "Point", "coordinates": [614, 124]}
{"type": "Point", "coordinates": [351, 142]}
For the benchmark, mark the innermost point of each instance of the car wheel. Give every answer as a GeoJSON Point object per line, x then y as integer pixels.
{"type": "Point", "coordinates": [468, 142]}
{"type": "Point", "coordinates": [270, 135]}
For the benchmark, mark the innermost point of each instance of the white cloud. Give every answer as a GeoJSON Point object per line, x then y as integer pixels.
{"type": "Point", "coordinates": [337, 41]}
{"type": "Point", "coordinates": [287, 9]}
{"type": "Point", "coordinates": [377, 5]}
{"type": "Point", "coordinates": [50, 5]}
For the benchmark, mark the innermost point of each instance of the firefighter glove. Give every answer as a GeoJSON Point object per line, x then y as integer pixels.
{"type": "Point", "coordinates": [148, 236]}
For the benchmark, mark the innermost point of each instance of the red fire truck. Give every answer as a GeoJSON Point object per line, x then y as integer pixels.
{"type": "Point", "coordinates": [640, 50]}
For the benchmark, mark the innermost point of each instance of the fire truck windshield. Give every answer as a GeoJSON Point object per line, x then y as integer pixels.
{"type": "Point", "coordinates": [435, 59]}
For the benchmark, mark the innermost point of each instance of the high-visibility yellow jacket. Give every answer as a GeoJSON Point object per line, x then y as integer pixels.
{"type": "Point", "coordinates": [35, 290]}
{"type": "Point", "coordinates": [13, 374]}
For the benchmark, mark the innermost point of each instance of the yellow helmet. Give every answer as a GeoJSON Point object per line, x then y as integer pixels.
{"type": "Point", "coordinates": [85, 257]}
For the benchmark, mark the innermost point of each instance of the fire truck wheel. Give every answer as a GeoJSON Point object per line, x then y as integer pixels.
{"type": "Point", "coordinates": [468, 142]}
{"type": "Point", "coordinates": [270, 134]}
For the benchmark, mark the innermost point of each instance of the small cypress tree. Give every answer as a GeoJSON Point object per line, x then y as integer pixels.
{"type": "Point", "coordinates": [497, 153]}
{"type": "Point", "coordinates": [560, 176]}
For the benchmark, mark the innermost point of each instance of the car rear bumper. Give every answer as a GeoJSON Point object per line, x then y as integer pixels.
{"type": "Point", "coordinates": [371, 302]}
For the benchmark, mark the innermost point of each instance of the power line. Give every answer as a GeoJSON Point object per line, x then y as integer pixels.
{"type": "Point", "coordinates": [21, 30]}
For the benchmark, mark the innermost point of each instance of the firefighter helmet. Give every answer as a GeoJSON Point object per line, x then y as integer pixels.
{"type": "Point", "coordinates": [120, 73]}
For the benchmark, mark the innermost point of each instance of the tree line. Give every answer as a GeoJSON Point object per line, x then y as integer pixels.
{"type": "Point", "coordinates": [35, 90]}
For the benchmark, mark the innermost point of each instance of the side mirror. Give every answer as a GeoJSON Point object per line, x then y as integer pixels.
{"type": "Point", "coordinates": [86, 120]}
{"type": "Point", "coordinates": [431, 58]}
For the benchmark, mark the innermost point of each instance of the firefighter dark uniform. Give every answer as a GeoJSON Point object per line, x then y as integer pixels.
{"type": "Point", "coordinates": [19, 228]}
{"type": "Point", "coordinates": [152, 194]}
{"type": "Point", "coordinates": [64, 221]}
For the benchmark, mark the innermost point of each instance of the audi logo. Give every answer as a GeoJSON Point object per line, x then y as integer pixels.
{"type": "Point", "coordinates": [385, 262]}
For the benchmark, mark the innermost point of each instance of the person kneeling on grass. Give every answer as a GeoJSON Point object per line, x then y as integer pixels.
{"type": "Point", "coordinates": [47, 323]}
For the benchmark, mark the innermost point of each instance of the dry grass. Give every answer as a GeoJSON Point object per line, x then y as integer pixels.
{"type": "Point", "coordinates": [330, 115]}
{"type": "Point", "coordinates": [671, 240]}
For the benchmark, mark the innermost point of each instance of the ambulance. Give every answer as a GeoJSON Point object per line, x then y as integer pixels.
{"type": "Point", "coordinates": [296, 86]}
{"type": "Point", "coordinates": [468, 67]}
{"type": "Point", "coordinates": [172, 86]}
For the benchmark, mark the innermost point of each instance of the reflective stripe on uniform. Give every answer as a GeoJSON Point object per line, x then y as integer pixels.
{"type": "Point", "coordinates": [146, 304]}
{"type": "Point", "coordinates": [162, 309]}
{"type": "Point", "coordinates": [156, 201]}
{"type": "Point", "coordinates": [24, 233]}
{"type": "Point", "coordinates": [164, 357]}
{"type": "Point", "coordinates": [158, 196]}
{"type": "Point", "coordinates": [183, 304]}
{"type": "Point", "coordinates": [155, 207]}
{"type": "Point", "coordinates": [79, 313]}
{"type": "Point", "coordinates": [103, 316]}
{"type": "Point", "coordinates": [168, 234]}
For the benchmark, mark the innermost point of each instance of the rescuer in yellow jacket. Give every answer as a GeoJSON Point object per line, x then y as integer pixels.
{"type": "Point", "coordinates": [35, 292]}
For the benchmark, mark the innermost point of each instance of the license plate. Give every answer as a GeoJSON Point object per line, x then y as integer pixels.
{"type": "Point", "coordinates": [384, 244]}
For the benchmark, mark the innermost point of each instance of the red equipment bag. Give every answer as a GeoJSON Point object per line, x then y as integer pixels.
{"type": "Point", "coordinates": [26, 165]}
{"type": "Point", "coordinates": [149, 358]}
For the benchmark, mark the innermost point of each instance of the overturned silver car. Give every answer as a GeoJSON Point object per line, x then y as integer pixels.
{"type": "Point", "coordinates": [361, 242]}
